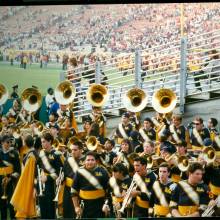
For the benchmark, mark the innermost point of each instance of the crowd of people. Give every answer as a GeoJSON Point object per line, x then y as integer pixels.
{"type": "Point", "coordinates": [157, 167]}
{"type": "Point", "coordinates": [113, 28]}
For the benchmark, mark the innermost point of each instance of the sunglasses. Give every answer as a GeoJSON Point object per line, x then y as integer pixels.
{"type": "Point", "coordinates": [196, 123]}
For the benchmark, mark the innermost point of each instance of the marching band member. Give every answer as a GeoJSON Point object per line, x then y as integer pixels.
{"type": "Point", "coordinates": [5, 125]}
{"type": "Point", "coordinates": [144, 182]}
{"type": "Point", "coordinates": [178, 131]}
{"type": "Point", "coordinates": [50, 162]}
{"type": "Point", "coordinates": [71, 165]}
{"type": "Point", "coordinates": [90, 185]}
{"type": "Point", "coordinates": [119, 183]}
{"type": "Point", "coordinates": [161, 193]}
{"type": "Point", "coordinates": [124, 128]}
{"type": "Point", "coordinates": [24, 197]}
{"type": "Point", "coordinates": [135, 119]}
{"type": "Point", "coordinates": [198, 134]}
{"type": "Point", "coordinates": [98, 117]}
{"type": "Point", "coordinates": [190, 197]}
{"type": "Point", "coordinates": [214, 134]}
{"type": "Point", "coordinates": [10, 170]}
{"type": "Point", "coordinates": [149, 149]}
{"type": "Point", "coordinates": [147, 132]}
{"type": "Point", "coordinates": [14, 111]}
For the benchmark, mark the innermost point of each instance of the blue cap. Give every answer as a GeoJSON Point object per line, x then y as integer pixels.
{"type": "Point", "coordinates": [207, 142]}
{"type": "Point", "coordinates": [168, 147]}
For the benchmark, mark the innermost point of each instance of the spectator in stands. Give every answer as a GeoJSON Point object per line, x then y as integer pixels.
{"type": "Point", "coordinates": [65, 61]}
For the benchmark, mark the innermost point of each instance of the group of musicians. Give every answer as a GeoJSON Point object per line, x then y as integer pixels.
{"type": "Point", "coordinates": [154, 168]}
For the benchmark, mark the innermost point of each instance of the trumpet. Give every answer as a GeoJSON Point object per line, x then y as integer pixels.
{"type": "Point", "coordinates": [60, 177]}
{"type": "Point", "coordinates": [128, 198]}
{"type": "Point", "coordinates": [41, 185]}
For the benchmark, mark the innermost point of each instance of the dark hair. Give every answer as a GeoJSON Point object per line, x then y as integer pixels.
{"type": "Point", "coordinates": [142, 160]}
{"type": "Point", "coordinates": [195, 166]}
{"type": "Point", "coordinates": [92, 153]}
{"type": "Point", "coordinates": [164, 164]}
{"type": "Point", "coordinates": [214, 121]}
{"type": "Point", "coordinates": [79, 144]}
{"type": "Point", "coordinates": [5, 138]}
{"type": "Point", "coordinates": [94, 130]}
{"type": "Point", "coordinates": [149, 120]}
{"type": "Point", "coordinates": [111, 141]}
{"type": "Point", "coordinates": [29, 141]}
{"type": "Point", "coordinates": [121, 168]}
{"type": "Point", "coordinates": [129, 144]}
{"type": "Point", "coordinates": [48, 137]}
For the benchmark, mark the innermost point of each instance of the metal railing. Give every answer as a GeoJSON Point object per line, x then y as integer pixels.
{"type": "Point", "coordinates": [188, 67]}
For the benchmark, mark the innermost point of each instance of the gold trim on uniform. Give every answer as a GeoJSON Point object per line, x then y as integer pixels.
{"type": "Point", "coordinates": [197, 148]}
{"type": "Point", "coordinates": [187, 210]}
{"type": "Point", "coordinates": [117, 199]}
{"type": "Point", "coordinates": [175, 178]}
{"type": "Point", "coordinates": [141, 203]}
{"type": "Point", "coordinates": [214, 189]}
{"type": "Point", "coordinates": [161, 210]}
{"type": "Point", "coordinates": [69, 182]}
{"type": "Point", "coordinates": [94, 194]}
{"type": "Point", "coordinates": [6, 170]}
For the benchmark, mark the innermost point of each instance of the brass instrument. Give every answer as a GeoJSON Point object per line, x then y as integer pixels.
{"type": "Point", "coordinates": [16, 132]}
{"type": "Point", "coordinates": [154, 161]}
{"type": "Point", "coordinates": [184, 163]}
{"type": "Point", "coordinates": [209, 155]}
{"type": "Point", "coordinates": [97, 95]}
{"type": "Point", "coordinates": [31, 99]}
{"type": "Point", "coordinates": [164, 100]}
{"type": "Point", "coordinates": [128, 198]}
{"type": "Point", "coordinates": [5, 181]}
{"type": "Point", "coordinates": [211, 209]}
{"type": "Point", "coordinates": [3, 94]}
{"type": "Point", "coordinates": [65, 93]}
{"type": "Point", "coordinates": [40, 128]}
{"type": "Point", "coordinates": [93, 144]}
{"type": "Point", "coordinates": [60, 178]}
{"type": "Point", "coordinates": [40, 183]}
{"type": "Point", "coordinates": [71, 141]}
{"type": "Point", "coordinates": [135, 100]}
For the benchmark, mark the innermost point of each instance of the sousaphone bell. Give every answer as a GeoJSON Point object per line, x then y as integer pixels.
{"type": "Point", "coordinates": [65, 92]}
{"type": "Point", "coordinates": [3, 94]}
{"type": "Point", "coordinates": [31, 99]}
{"type": "Point", "coordinates": [135, 100]}
{"type": "Point", "coordinates": [97, 95]}
{"type": "Point", "coordinates": [164, 100]}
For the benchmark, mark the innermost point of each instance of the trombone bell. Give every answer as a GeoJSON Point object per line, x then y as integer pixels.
{"type": "Point", "coordinates": [92, 143]}
{"type": "Point", "coordinates": [65, 93]}
{"type": "Point", "coordinates": [3, 94]}
{"type": "Point", "coordinates": [31, 99]}
{"type": "Point", "coordinates": [164, 100]}
{"type": "Point", "coordinates": [209, 154]}
{"type": "Point", "coordinates": [97, 95]}
{"type": "Point", "coordinates": [135, 100]}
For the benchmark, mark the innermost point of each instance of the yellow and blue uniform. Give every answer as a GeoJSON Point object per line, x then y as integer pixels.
{"type": "Point", "coordinates": [188, 199]}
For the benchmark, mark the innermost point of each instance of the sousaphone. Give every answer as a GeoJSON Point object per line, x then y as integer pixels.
{"type": "Point", "coordinates": [3, 94]}
{"type": "Point", "coordinates": [65, 93]}
{"type": "Point", "coordinates": [135, 100]}
{"type": "Point", "coordinates": [164, 100]}
{"type": "Point", "coordinates": [31, 99]}
{"type": "Point", "coordinates": [97, 95]}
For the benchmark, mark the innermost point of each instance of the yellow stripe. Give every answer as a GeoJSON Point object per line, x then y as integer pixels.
{"type": "Point", "coordinates": [161, 210]}
{"type": "Point", "coordinates": [141, 203]}
{"type": "Point", "coordinates": [94, 194]}
{"type": "Point", "coordinates": [187, 210]}
{"type": "Point", "coordinates": [69, 182]}
{"type": "Point", "coordinates": [214, 189]}
{"type": "Point", "coordinates": [117, 199]}
{"type": "Point", "coordinates": [6, 170]}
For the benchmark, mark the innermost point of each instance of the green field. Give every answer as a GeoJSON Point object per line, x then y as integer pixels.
{"type": "Point", "coordinates": [45, 77]}
{"type": "Point", "coordinates": [32, 75]}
